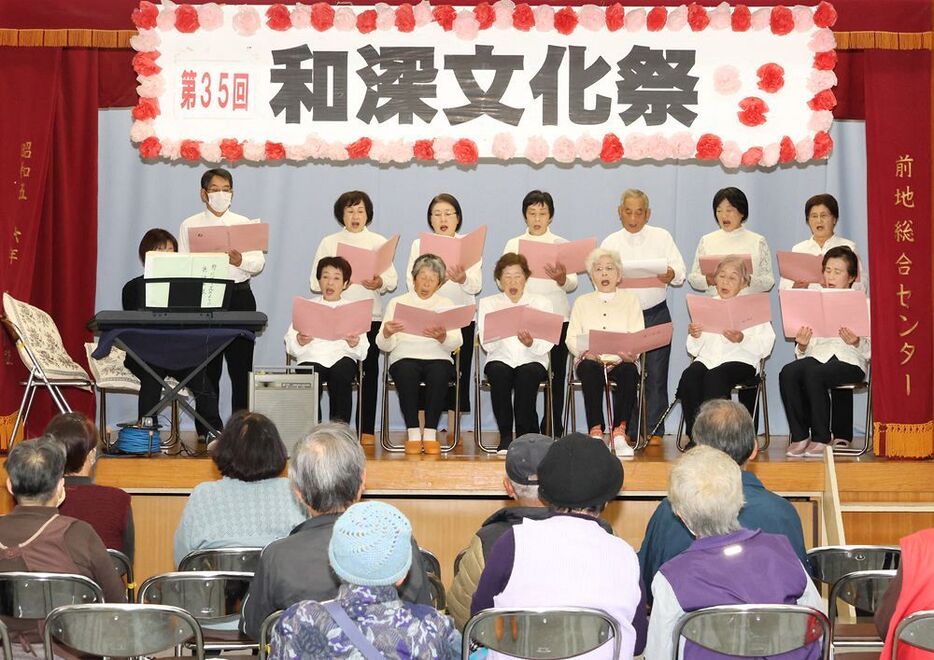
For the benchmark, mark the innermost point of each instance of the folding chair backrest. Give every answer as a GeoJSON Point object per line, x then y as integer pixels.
{"type": "Point", "coordinates": [828, 564]}
{"type": "Point", "coordinates": [5, 641]}
{"type": "Point", "coordinates": [124, 569]}
{"type": "Point", "coordinates": [542, 633]}
{"type": "Point", "coordinates": [265, 633]}
{"type": "Point", "coordinates": [122, 630]}
{"type": "Point", "coordinates": [221, 559]}
{"type": "Point", "coordinates": [26, 595]}
{"type": "Point", "coordinates": [429, 562]}
{"type": "Point", "coordinates": [40, 344]}
{"type": "Point", "coordinates": [861, 589]}
{"type": "Point", "coordinates": [212, 597]}
{"type": "Point", "coordinates": [916, 630]}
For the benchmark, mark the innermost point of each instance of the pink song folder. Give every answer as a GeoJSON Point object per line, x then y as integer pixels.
{"type": "Point", "coordinates": [243, 238]}
{"type": "Point", "coordinates": [603, 341]}
{"type": "Point", "coordinates": [801, 267]}
{"type": "Point", "coordinates": [825, 311]}
{"type": "Point", "coordinates": [510, 321]}
{"type": "Point", "coordinates": [415, 320]}
{"type": "Point", "coordinates": [464, 251]}
{"type": "Point", "coordinates": [709, 263]}
{"type": "Point", "coordinates": [736, 313]}
{"type": "Point", "coordinates": [365, 264]}
{"type": "Point", "coordinates": [324, 322]}
{"type": "Point", "coordinates": [571, 254]}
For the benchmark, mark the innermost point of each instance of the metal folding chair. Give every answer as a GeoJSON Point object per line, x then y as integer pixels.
{"type": "Point", "coordinates": [863, 590]}
{"type": "Point", "coordinates": [915, 630]}
{"type": "Point", "coordinates": [221, 559]}
{"type": "Point", "coordinates": [27, 595]}
{"type": "Point", "coordinates": [124, 568]}
{"type": "Point", "coordinates": [862, 386]}
{"type": "Point", "coordinates": [265, 631]}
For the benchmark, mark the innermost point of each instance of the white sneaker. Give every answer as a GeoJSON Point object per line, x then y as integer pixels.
{"type": "Point", "coordinates": [623, 450]}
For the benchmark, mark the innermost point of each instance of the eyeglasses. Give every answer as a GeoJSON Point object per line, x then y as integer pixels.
{"type": "Point", "coordinates": [443, 214]}
{"type": "Point", "coordinates": [822, 216]}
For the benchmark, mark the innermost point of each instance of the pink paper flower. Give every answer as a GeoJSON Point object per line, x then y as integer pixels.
{"type": "Point", "coordinates": [359, 149]}
{"type": "Point", "coordinates": [379, 152]}
{"type": "Point", "coordinates": [345, 20]}
{"type": "Point", "coordinates": [336, 151]}
{"type": "Point", "coordinates": [563, 150]}
{"type": "Point", "coordinates": [300, 17]}
{"type": "Point", "coordinates": [423, 150]}
{"type": "Point", "coordinates": [678, 18]}
{"type": "Point", "coordinates": [731, 156]}
{"type": "Point", "coordinates": [422, 13]}
{"type": "Point", "coordinates": [751, 157]}
{"type": "Point", "coordinates": [165, 21]}
{"type": "Point", "coordinates": [825, 15]}
{"type": "Point", "coordinates": [682, 145]}
{"type": "Point", "coordinates": [804, 19]}
{"type": "Point", "coordinates": [504, 9]}
{"type": "Point", "coordinates": [536, 149]}
{"type": "Point", "coordinates": [145, 41]}
{"type": "Point", "coordinates": [400, 151]}
{"type": "Point", "coordinates": [296, 152]}
{"type": "Point", "coordinates": [709, 147]}
{"type": "Point", "coordinates": [804, 150]}
{"type": "Point", "coordinates": [385, 17]}
{"type": "Point", "coordinates": [544, 18]}
{"type": "Point", "coordinates": [231, 150]}
{"type": "Point", "coordinates": [405, 18]}
{"type": "Point", "coordinates": [254, 151]}
{"type": "Point", "coordinates": [770, 155]}
{"type": "Point", "coordinates": [150, 87]}
{"type": "Point", "coordinates": [771, 77]}
{"type": "Point", "coordinates": [636, 147]}
{"type": "Point", "coordinates": [504, 146]}
{"type": "Point", "coordinates": [466, 25]}
{"type": "Point", "coordinates": [211, 17]}
{"type": "Point", "coordinates": [186, 19]}
{"type": "Point", "coordinates": [822, 40]}
{"type": "Point", "coordinates": [786, 150]}
{"type": "Point", "coordinates": [592, 18]}
{"type": "Point", "coordinates": [140, 130]}
{"type": "Point", "coordinates": [565, 20]}
{"type": "Point", "coordinates": [465, 151]}
{"type": "Point", "coordinates": [246, 22]}
{"type": "Point", "coordinates": [761, 18]}
{"type": "Point", "coordinates": [588, 148]}
{"type": "Point", "coordinates": [698, 18]}
{"type": "Point", "coordinates": [820, 80]}
{"type": "Point", "coordinates": [821, 120]}
{"type": "Point", "coordinates": [720, 17]}
{"type": "Point", "coordinates": [171, 149]}
{"type": "Point", "coordinates": [315, 147]}
{"type": "Point", "coordinates": [823, 145]}
{"type": "Point", "coordinates": [657, 147]}
{"type": "Point", "coordinates": [211, 151]}
{"type": "Point", "coordinates": [726, 80]}
{"type": "Point", "coordinates": [150, 148]}
{"type": "Point", "coordinates": [634, 20]}
{"type": "Point", "coordinates": [616, 17]}
{"type": "Point", "coordinates": [444, 149]}
{"type": "Point", "coordinates": [752, 111]}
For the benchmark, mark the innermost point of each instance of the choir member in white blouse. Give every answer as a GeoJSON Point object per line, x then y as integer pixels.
{"type": "Point", "coordinates": [731, 210]}
{"type": "Point", "coordinates": [822, 362]}
{"type": "Point", "coordinates": [615, 310]}
{"type": "Point", "coordinates": [515, 366]}
{"type": "Point", "coordinates": [639, 240]}
{"type": "Point", "coordinates": [415, 359]}
{"type": "Point", "coordinates": [460, 287]}
{"type": "Point", "coordinates": [722, 360]}
{"type": "Point", "coordinates": [353, 210]}
{"type": "Point", "coordinates": [335, 361]}
{"type": "Point", "coordinates": [538, 210]}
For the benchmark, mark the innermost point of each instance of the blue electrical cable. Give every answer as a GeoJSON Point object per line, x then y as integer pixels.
{"type": "Point", "coordinates": [136, 440]}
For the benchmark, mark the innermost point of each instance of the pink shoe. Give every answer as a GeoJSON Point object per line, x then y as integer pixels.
{"type": "Point", "coordinates": [815, 450]}
{"type": "Point", "coordinates": [797, 449]}
{"type": "Point", "coordinates": [596, 432]}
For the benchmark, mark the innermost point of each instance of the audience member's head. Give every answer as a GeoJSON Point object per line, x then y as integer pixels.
{"type": "Point", "coordinates": [579, 474]}
{"type": "Point", "coordinates": [35, 472]}
{"type": "Point", "coordinates": [705, 490]}
{"type": "Point", "coordinates": [522, 460]}
{"type": "Point", "coordinates": [726, 425]}
{"type": "Point", "coordinates": [78, 436]}
{"type": "Point", "coordinates": [328, 468]}
{"type": "Point", "coordinates": [249, 448]}
{"type": "Point", "coordinates": [371, 545]}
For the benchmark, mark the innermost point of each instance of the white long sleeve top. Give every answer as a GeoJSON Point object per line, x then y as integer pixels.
{"type": "Point", "coordinates": [459, 294]}
{"type": "Point", "coordinates": [324, 351]}
{"type": "Point", "coordinates": [364, 239]}
{"type": "Point", "coordinates": [616, 312]}
{"type": "Point", "coordinates": [810, 246]}
{"type": "Point", "coordinates": [713, 349]}
{"type": "Point", "coordinates": [403, 345]}
{"type": "Point", "coordinates": [253, 261]}
{"type": "Point", "coordinates": [542, 286]}
{"type": "Point", "coordinates": [648, 243]}
{"type": "Point", "coordinates": [738, 241]}
{"type": "Point", "coordinates": [510, 351]}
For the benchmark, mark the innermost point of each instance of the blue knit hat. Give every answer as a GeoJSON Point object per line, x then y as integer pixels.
{"type": "Point", "coordinates": [371, 545]}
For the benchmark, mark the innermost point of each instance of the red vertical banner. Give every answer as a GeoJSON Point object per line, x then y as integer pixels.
{"type": "Point", "coordinates": [898, 145]}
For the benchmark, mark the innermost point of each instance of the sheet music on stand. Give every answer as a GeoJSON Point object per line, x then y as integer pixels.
{"type": "Point", "coordinates": [186, 281]}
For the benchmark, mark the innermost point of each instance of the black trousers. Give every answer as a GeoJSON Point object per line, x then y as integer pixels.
{"type": "Point", "coordinates": [370, 381]}
{"type": "Point", "coordinates": [803, 384]}
{"type": "Point", "coordinates": [656, 372]}
{"type": "Point", "coordinates": [699, 384]}
{"type": "Point", "coordinates": [514, 392]}
{"type": "Point", "coordinates": [150, 391]}
{"type": "Point", "coordinates": [239, 355]}
{"type": "Point", "coordinates": [593, 384]}
{"type": "Point", "coordinates": [408, 374]}
{"type": "Point", "coordinates": [465, 360]}
{"type": "Point", "coordinates": [339, 378]}
{"type": "Point", "coordinates": [841, 414]}
{"type": "Point", "coordinates": [559, 375]}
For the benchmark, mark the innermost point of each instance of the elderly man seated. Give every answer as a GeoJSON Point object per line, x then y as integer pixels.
{"type": "Point", "coordinates": [726, 565]}
{"type": "Point", "coordinates": [327, 473]}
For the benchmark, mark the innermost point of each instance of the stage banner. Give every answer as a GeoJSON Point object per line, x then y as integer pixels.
{"type": "Point", "coordinates": [747, 88]}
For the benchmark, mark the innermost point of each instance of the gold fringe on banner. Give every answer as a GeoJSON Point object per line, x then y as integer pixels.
{"type": "Point", "coordinates": [6, 428]}
{"type": "Point", "coordinates": [66, 38]}
{"type": "Point", "coordinates": [884, 40]}
{"type": "Point", "coordinates": [903, 440]}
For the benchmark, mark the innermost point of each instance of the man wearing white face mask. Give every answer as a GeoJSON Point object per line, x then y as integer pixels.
{"type": "Point", "coordinates": [217, 193]}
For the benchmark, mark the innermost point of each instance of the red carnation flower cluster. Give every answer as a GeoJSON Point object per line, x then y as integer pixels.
{"type": "Point", "coordinates": [231, 150]}
{"type": "Point", "coordinates": [150, 148]}
{"type": "Point", "coordinates": [146, 109]}
{"type": "Point", "coordinates": [565, 20]}
{"type": "Point", "coordinates": [741, 18]}
{"type": "Point", "coordinates": [359, 149]}
{"type": "Point", "coordinates": [615, 17]}
{"type": "Point", "coordinates": [424, 150]}
{"type": "Point", "coordinates": [752, 111]}
{"type": "Point", "coordinates": [697, 17]}
{"type": "Point", "coordinates": [823, 145]}
{"type": "Point", "coordinates": [781, 20]}
{"type": "Point", "coordinates": [186, 19]}
{"type": "Point", "coordinates": [278, 18]}
{"type": "Point", "coordinates": [144, 63]}
{"type": "Point", "coordinates": [786, 150]}
{"type": "Point", "coordinates": [444, 16]}
{"type": "Point", "coordinates": [825, 61]}
{"type": "Point", "coordinates": [656, 19]}
{"type": "Point", "coordinates": [825, 15]}
{"type": "Point", "coordinates": [405, 18]}
{"type": "Point", "coordinates": [465, 151]}
{"type": "Point", "coordinates": [751, 157]}
{"type": "Point", "coordinates": [274, 150]}
{"type": "Point", "coordinates": [190, 150]}
{"type": "Point", "coordinates": [771, 77]}
{"type": "Point", "coordinates": [824, 100]}
{"type": "Point", "coordinates": [709, 147]}
{"type": "Point", "coordinates": [612, 149]}
{"type": "Point", "coordinates": [366, 21]}
{"type": "Point", "coordinates": [485, 14]}
{"type": "Point", "coordinates": [322, 16]}
{"type": "Point", "coordinates": [523, 18]}
{"type": "Point", "coordinates": [145, 16]}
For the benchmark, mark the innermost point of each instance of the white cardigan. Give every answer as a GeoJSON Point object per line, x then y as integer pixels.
{"type": "Point", "coordinates": [403, 345]}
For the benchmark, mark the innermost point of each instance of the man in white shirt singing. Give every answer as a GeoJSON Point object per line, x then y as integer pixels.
{"type": "Point", "coordinates": [637, 241]}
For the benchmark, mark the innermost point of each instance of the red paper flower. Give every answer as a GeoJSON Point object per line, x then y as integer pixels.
{"type": "Point", "coordinates": [697, 17]}
{"type": "Point", "coordinates": [231, 150]}
{"type": "Point", "coordinates": [485, 14]}
{"type": "Point", "coordinates": [656, 19]}
{"type": "Point", "coordinates": [322, 16]}
{"type": "Point", "coordinates": [150, 147]}
{"type": "Point", "coordinates": [277, 18]}
{"type": "Point", "coordinates": [145, 19]}
{"type": "Point", "coordinates": [752, 111]}
{"type": "Point", "coordinates": [826, 60]}
{"type": "Point", "coordinates": [709, 147]}
{"type": "Point", "coordinates": [444, 15]}
{"type": "Point", "coordinates": [186, 19]}
{"type": "Point", "coordinates": [612, 149]}
{"type": "Point", "coordinates": [423, 150]}
{"type": "Point", "coordinates": [824, 100]}
{"type": "Point", "coordinates": [615, 17]}
{"type": "Point", "coordinates": [741, 19]}
{"type": "Point", "coordinates": [751, 157]}
{"type": "Point", "coordinates": [823, 144]}
{"type": "Point", "coordinates": [190, 150]}
{"type": "Point", "coordinates": [565, 20]}
{"type": "Point", "coordinates": [366, 21]}
{"type": "Point", "coordinates": [786, 150]}
{"type": "Point", "coordinates": [360, 148]}
{"type": "Point", "coordinates": [825, 15]}
{"type": "Point", "coordinates": [771, 77]}
{"type": "Point", "coordinates": [146, 109]}
{"type": "Point", "coordinates": [781, 20]}
{"type": "Point", "coordinates": [274, 150]}
{"type": "Point", "coordinates": [405, 18]}
{"type": "Point", "coordinates": [465, 151]}
{"type": "Point", "coordinates": [145, 63]}
{"type": "Point", "coordinates": [522, 17]}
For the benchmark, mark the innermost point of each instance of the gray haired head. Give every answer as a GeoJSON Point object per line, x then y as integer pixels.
{"type": "Point", "coordinates": [327, 468]}
{"type": "Point", "coordinates": [726, 425]}
{"type": "Point", "coordinates": [705, 490]}
{"type": "Point", "coordinates": [35, 468]}
{"type": "Point", "coordinates": [433, 263]}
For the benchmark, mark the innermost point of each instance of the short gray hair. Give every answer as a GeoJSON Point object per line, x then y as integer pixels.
{"type": "Point", "coordinates": [737, 262]}
{"type": "Point", "coordinates": [35, 467]}
{"type": "Point", "coordinates": [432, 262]}
{"type": "Point", "coordinates": [635, 193]}
{"type": "Point", "coordinates": [524, 491]}
{"type": "Point", "coordinates": [705, 490]}
{"type": "Point", "coordinates": [598, 254]}
{"type": "Point", "coordinates": [726, 425]}
{"type": "Point", "coordinates": [327, 467]}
